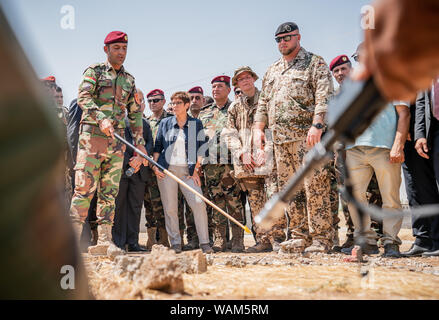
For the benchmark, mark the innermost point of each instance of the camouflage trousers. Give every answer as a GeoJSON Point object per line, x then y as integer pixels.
{"type": "Point", "coordinates": [256, 199]}
{"type": "Point", "coordinates": [310, 212]}
{"type": "Point", "coordinates": [154, 214]}
{"type": "Point", "coordinates": [98, 167]}
{"type": "Point", "coordinates": [224, 191]}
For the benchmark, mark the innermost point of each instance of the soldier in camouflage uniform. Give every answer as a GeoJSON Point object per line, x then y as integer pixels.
{"type": "Point", "coordinates": [248, 168]}
{"type": "Point", "coordinates": [106, 93]}
{"type": "Point", "coordinates": [293, 104]}
{"type": "Point", "coordinates": [222, 187]}
{"type": "Point", "coordinates": [154, 214]}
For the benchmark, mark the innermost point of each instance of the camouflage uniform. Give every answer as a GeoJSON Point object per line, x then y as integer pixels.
{"type": "Point", "coordinates": [292, 93]}
{"type": "Point", "coordinates": [154, 214]}
{"type": "Point", "coordinates": [222, 187]}
{"type": "Point", "coordinates": [103, 94]}
{"type": "Point", "coordinates": [239, 140]}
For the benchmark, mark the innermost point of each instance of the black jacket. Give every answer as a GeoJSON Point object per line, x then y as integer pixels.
{"type": "Point", "coordinates": [147, 135]}
{"type": "Point", "coordinates": [424, 117]}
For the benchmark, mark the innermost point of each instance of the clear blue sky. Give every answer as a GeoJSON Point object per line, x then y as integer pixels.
{"type": "Point", "coordinates": [175, 45]}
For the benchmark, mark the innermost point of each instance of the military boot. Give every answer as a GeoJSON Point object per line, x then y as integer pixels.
{"type": "Point", "coordinates": [152, 233]}
{"type": "Point", "coordinates": [237, 239]}
{"type": "Point", "coordinates": [105, 243]}
{"type": "Point", "coordinates": [219, 244]}
{"type": "Point", "coordinates": [260, 247]}
{"type": "Point", "coordinates": [163, 237]}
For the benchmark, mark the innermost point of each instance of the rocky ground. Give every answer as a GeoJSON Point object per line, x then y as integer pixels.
{"type": "Point", "coordinates": [162, 274]}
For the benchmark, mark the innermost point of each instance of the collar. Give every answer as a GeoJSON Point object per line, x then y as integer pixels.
{"type": "Point", "coordinates": [301, 55]}
{"type": "Point", "coordinates": [175, 123]}
{"type": "Point", "coordinates": [109, 67]}
{"type": "Point", "coordinates": [245, 100]}
{"type": "Point", "coordinates": [228, 103]}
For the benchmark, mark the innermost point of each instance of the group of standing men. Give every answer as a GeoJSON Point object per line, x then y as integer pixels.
{"type": "Point", "coordinates": [255, 145]}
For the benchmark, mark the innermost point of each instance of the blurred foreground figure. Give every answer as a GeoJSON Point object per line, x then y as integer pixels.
{"type": "Point", "coordinates": [402, 49]}
{"type": "Point", "coordinates": [40, 259]}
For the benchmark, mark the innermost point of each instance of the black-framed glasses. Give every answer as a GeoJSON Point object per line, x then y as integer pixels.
{"type": "Point", "coordinates": [154, 100]}
{"type": "Point", "coordinates": [285, 38]}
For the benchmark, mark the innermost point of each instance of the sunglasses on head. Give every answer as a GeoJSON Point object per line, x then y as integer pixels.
{"type": "Point", "coordinates": [285, 38]}
{"type": "Point", "coordinates": [154, 100]}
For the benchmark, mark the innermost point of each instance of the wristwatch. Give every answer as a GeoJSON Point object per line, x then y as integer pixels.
{"type": "Point", "coordinates": [318, 126]}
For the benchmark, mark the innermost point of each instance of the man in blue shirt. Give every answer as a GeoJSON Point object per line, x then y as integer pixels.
{"type": "Point", "coordinates": [380, 149]}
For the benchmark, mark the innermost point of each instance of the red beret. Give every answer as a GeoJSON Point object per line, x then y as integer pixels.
{"type": "Point", "coordinates": [49, 79]}
{"type": "Point", "coordinates": [224, 79]}
{"type": "Point", "coordinates": [116, 36]}
{"type": "Point", "coordinates": [155, 92]}
{"type": "Point", "coordinates": [338, 61]}
{"type": "Point", "coordinates": [196, 90]}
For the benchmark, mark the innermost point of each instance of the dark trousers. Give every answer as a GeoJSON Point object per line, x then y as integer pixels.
{"type": "Point", "coordinates": [129, 203]}
{"type": "Point", "coordinates": [421, 176]}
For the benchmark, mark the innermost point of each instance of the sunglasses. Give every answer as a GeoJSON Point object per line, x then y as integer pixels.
{"type": "Point", "coordinates": [285, 38]}
{"type": "Point", "coordinates": [154, 100]}
{"type": "Point", "coordinates": [238, 92]}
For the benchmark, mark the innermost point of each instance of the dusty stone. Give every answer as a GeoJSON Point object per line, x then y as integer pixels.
{"type": "Point", "coordinates": [192, 262]}
{"type": "Point", "coordinates": [126, 266]}
{"type": "Point", "coordinates": [235, 262]}
{"type": "Point", "coordinates": [158, 271]}
{"type": "Point", "coordinates": [113, 251]}
{"type": "Point", "coordinates": [98, 250]}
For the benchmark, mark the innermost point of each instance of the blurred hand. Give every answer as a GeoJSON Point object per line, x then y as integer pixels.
{"type": "Point", "coordinates": [401, 51]}
{"type": "Point", "coordinates": [314, 136]}
{"type": "Point", "coordinates": [422, 148]}
{"type": "Point", "coordinates": [106, 126]}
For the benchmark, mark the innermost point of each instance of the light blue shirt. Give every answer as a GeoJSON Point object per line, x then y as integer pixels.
{"type": "Point", "coordinates": [382, 131]}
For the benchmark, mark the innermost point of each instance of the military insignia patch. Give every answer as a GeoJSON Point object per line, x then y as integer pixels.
{"type": "Point", "coordinates": [90, 79]}
{"type": "Point", "coordinates": [344, 59]}
{"type": "Point", "coordinates": [288, 28]}
{"type": "Point", "coordinates": [126, 38]}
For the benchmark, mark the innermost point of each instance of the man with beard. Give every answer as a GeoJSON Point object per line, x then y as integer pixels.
{"type": "Point", "coordinates": [293, 103]}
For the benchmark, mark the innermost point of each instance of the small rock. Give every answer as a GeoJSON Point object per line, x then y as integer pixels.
{"type": "Point", "coordinates": [98, 250]}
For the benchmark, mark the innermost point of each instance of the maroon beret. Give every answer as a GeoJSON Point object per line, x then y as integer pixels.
{"type": "Point", "coordinates": [116, 36]}
{"type": "Point", "coordinates": [224, 79]}
{"type": "Point", "coordinates": [49, 79]}
{"type": "Point", "coordinates": [338, 61]}
{"type": "Point", "coordinates": [155, 92]}
{"type": "Point", "coordinates": [196, 90]}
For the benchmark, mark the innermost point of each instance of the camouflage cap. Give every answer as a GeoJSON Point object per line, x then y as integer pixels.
{"type": "Point", "coordinates": [241, 70]}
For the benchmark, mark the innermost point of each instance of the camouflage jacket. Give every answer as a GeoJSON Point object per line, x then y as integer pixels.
{"type": "Point", "coordinates": [214, 121]}
{"type": "Point", "coordinates": [154, 123]}
{"type": "Point", "coordinates": [107, 94]}
{"type": "Point", "coordinates": [239, 134]}
{"type": "Point", "coordinates": [292, 93]}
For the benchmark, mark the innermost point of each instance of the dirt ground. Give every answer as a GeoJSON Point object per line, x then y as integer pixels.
{"type": "Point", "coordinates": [294, 276]}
